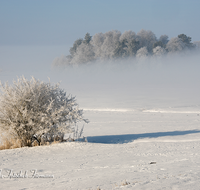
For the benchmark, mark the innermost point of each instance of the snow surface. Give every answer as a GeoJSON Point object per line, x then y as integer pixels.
{"type": "Point", "coordinates": [121, 147]}
{"type": "Point", "coordinates": [144, 133]}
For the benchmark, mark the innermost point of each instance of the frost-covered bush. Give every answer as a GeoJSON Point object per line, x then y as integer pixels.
{"type": "Point", "coordinates": [35, 110]}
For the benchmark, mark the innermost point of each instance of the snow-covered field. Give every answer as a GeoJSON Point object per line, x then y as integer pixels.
{"type": "Point", "coordinates": [146, 149]}
{"type": "Point", "coordinates": [144, 133]}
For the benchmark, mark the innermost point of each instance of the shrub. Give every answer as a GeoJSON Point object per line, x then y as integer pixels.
{"type": "Point", "coordinates": [9, 143]}
{"type": "Point", "coordinates": [35, 110]}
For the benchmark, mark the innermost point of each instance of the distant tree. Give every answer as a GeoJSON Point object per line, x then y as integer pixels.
{"type": "Point", "coordinates": [84, 54]}
{"type": "Point", "coordinates": [132, 47]}
{"type": "Point", "coordinates": [186, 40]}
{"type": "Point", "coordinates": [159, 51]}
{"type": "Point", "coordinates": [87, 38]}
{"type": "Point", "coordinates": [98, 39]}
{"type": "Point", "coordinates": [142, 52]}
{"type": "Point", "coordinates": [97, 42]}
{"type": "Point", "coordinates": [128, 35]}
{"type": "Point", "coordinates": [164, 39]}
{"type": "Point", "coordinates": [147, 39]}
{"type": "Point", "coordinates": [81, 52]}
{"type": "Point", "coordinates": [131, 44]}
{"type": "Point", "coordinates": [120, 50]}
{"type": "Point", "coordinates": [109, 44]}
{"type": "Point", "coordinates": [159, 43]}
{"type": "Point", "coordinates": [175, 45]}
{"type": "Point", "coordinates": [75, 46]}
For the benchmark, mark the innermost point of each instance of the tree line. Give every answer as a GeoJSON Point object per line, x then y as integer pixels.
{"type": "Point", "coordinates": [114, 44]}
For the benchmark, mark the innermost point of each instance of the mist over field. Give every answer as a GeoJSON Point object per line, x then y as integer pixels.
{"type": "Point", "coordinates": [136, 83]}
{"type": "Point", "coordinates": [172, 78]}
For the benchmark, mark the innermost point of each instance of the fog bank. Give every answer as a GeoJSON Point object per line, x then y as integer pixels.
{"type": "Point", "coordinates": [127, 83]}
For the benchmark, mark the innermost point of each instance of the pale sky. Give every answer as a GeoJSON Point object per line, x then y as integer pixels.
{"type": "Point", "coordinates": [61, 22]}
{"type": "Point", "coordinates": [34, 32]}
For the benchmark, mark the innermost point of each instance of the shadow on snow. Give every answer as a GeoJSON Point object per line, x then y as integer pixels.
{"type": "Point", "coordinates": [126, 138]}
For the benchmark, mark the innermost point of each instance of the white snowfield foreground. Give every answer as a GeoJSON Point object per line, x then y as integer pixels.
{"type": "Point", "coordinates": [107, 110]}
{"type": "Point", "coordinates": [141, 149]}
